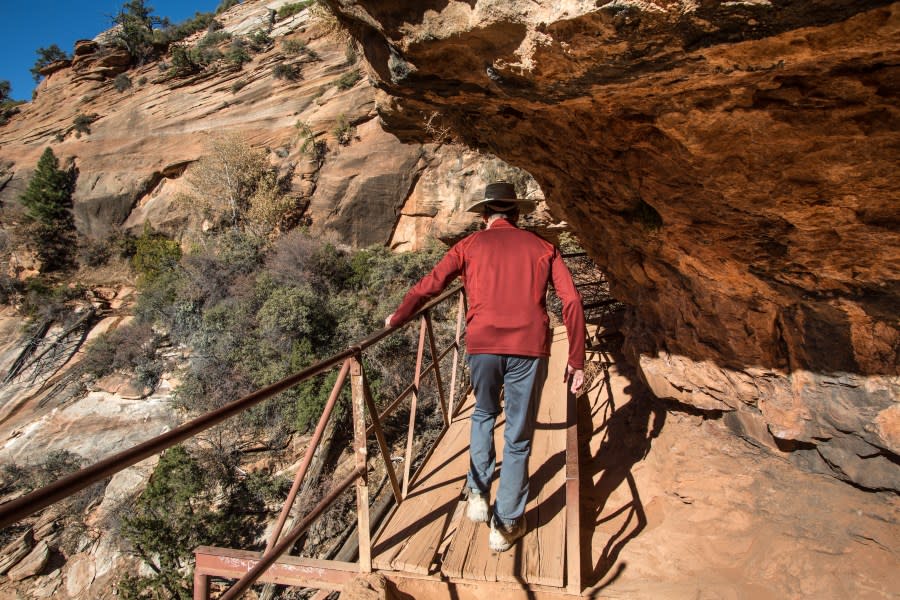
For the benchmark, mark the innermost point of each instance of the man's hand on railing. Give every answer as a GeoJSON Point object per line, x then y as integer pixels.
{"type": "Point", "coordinates": [577, 378]}
{"type": "Point", "coordinates": [387, 320]}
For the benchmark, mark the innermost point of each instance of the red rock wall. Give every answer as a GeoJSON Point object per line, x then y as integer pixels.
{"type": "Point", "coordinates": [732, 166]}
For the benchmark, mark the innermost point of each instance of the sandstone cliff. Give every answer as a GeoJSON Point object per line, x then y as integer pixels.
{"type": "Point", "coordinates": [732, 166]}
{"type": "Point", "coordinates": [138, 146]}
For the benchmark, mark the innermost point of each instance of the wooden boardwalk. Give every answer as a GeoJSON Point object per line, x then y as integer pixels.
{"type": "Point", "coordinates": [428, 534]}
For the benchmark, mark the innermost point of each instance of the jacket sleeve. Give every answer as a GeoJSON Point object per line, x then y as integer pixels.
{"type": "Point", "coordinates": [572, 311]}
{"type": "Point", "coordinates": [429, 286]}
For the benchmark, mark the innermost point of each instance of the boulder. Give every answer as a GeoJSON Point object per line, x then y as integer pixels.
{"type": "Point", "coordinates": [32, 564]}
{"type": "Point", "coordinates": [16, 550]}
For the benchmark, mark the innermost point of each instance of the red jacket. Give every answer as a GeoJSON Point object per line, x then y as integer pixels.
{"type": "Point", "coordinates": [505, 271]}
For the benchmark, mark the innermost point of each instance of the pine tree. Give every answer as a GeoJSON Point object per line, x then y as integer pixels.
{"type": "Point", "coordinates": [136, 22]}
{"type": "Point", "coordinates": [46, 56]}
{"type": "Point", "coordinates": [48, 203]}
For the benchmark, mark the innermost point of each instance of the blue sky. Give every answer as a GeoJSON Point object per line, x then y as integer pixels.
{"type": "Point", "coordinates": [26, 25]}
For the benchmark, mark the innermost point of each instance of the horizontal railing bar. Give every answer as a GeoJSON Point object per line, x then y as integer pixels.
{"type": "Point", "coordinates": [268, 559]}
{"type": "Point", "coordinates": [21, 507]}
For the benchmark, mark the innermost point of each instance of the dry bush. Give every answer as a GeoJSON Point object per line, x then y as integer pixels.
{"type": "Point", "coordinates": [235, 185]}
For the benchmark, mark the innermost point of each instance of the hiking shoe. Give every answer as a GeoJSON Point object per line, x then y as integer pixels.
{"type": "Point", "coordinates": [477, 509]}
{"type": "Point", "coordinates": [502, 536]}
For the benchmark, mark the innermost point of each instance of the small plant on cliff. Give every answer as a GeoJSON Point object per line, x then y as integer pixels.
{"type": "Point", "coordinates": [48, 208]}
{"type": "Point", "coordinates": [259, 40]}
{"type": "Point", "coordinates": [46, 56]}
{"type": "Point", "coordinates": [237, 53]}
{"type": "Point", "coordinates": [8, 106]}
{"type": "Point", "coordinates": [343, 131]}
{"type": "Point", "coordinates": [291, 9]}
{"type": "Point", "coordinates": [182, 62]}
{"type": "Point", "coordinates": [122, 82]}
{"type": "Point", "coordinates": [348, 79]}
{"type": "Point", "coordinates": [82, 123]}
{"type": "Point", "coordinates": [238, 85]}
{"type": "Point", "coordinates": [286, 71]}
{"type": "Point", "coordinates": [225, 5]}
{"type": "Point", "coordinates": [293, 47]}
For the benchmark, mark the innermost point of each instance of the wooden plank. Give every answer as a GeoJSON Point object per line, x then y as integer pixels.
{"type": "Point", "coordinates": [460, 547]}
{"type": "Point", "coordinates": [538, 558]}
{"type": "Point", "coordinates": [417, 527]}
{"type": "Point", "coordinates": [288, 570]}
{"type": "Point", "coordinates": [543, 549]}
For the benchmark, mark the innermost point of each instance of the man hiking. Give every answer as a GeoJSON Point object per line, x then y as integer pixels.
{"type": "Point", "coordinates": [505, 271]}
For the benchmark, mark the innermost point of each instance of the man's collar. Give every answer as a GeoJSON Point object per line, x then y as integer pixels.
{"type": "Point", "coordinates": [501, 224]}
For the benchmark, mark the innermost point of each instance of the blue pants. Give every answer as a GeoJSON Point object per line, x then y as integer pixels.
{"type": "Point", "coordinates": [522, 378]}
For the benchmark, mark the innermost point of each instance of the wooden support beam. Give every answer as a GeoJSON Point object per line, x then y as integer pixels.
{"type": "Point", "coordinates": [573, 483]}
{"type": "Point", "coordinates": [360, 453]}
{"type": "Point", "coordinates": [288, 570]}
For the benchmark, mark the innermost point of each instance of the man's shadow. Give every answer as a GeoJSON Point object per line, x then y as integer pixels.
{"type": "Point", "coordinates": [626, 430]}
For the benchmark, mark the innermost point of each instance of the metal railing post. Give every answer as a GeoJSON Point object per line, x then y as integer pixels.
{"type": "Point", "coordinates": [377, 428]}
{"type": "Point", "coordinates": [360, 453]}
{"type": "Point", "coordinates": [435, 361]}
{"type": "Point", "coordinates": [407, 465]}
{"type": "Point", "coordinates": [310, 451]}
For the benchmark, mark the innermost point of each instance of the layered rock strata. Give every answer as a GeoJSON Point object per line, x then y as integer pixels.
{"type": "Point", "coordinates": [732, 166]}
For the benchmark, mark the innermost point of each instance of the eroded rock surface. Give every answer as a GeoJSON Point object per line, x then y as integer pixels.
{"type": "Point", "coordinates": [136, 157]}
{"type": "Point", "coordinates": [732, 166]}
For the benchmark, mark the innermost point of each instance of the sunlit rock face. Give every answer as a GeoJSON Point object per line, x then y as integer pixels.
{"type": "Point", "coordinates": [731, 165]}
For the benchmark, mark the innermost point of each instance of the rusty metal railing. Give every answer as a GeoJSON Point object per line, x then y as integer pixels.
{"type": "Point", "coordinates": [362, 401]}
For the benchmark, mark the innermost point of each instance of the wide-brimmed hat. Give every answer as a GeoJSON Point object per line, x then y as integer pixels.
{"type": "Point", "coordinates": [501, 196]}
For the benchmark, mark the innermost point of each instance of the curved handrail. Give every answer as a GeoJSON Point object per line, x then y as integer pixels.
{"type": "Point", "coordinates": [14, 510]}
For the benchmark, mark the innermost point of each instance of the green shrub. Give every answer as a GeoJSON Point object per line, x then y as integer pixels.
{"type": "Point", "coordinates": [129, 349]}
{"type": "Point", "coordinates": [259, 40]}
{"type": "Point", "coordinates": [142, 81]}
{"type": "Point", "coordinates": [45, 57]}
{"type": "Point", "coordinates": [237, 53]}
{"type": "Point", "coordinates": [286, 71]}
{"type": "Point", "coordinates": [82, 123]}
{"type": "Point", "coordinates": [348, 79]}
{"type": "Point", "coordinates": [292, 47]}
{"type": "Point", "coordinates": [225, 5]}
{"type": "Point", "coordinates": [238, 85]}
{"type": "Point", "coordinates": [154, 255]}
{"type": "Point", "coordinates": [289, 10]}
{"type": "Point", "coordinates": [182, 61]}
{"type": "Point", "coordinates": [214, 38]}
{"type": "Point", "coordinates": [203, 56]}
{"type": "Point", "coordinates": [122, 82]}
{"type": "Point", "coordinates": [171, 34]}
{"type": "Point", "coordinates": [343, 131]}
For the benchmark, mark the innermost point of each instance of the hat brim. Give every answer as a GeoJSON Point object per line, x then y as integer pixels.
{"type": "Point", "coordinates": [523, 204]}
